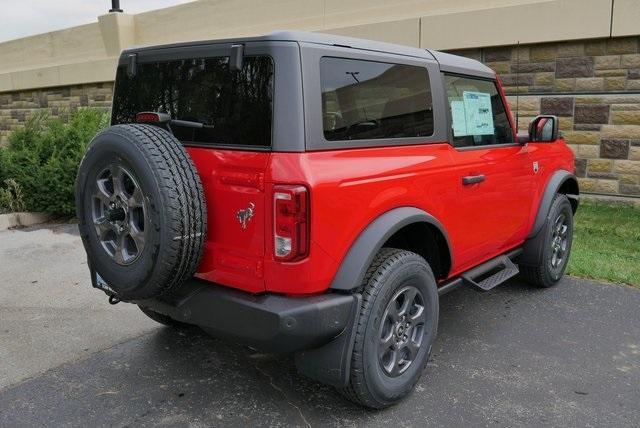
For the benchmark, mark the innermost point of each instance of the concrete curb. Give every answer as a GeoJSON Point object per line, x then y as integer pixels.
{"type": "Point", "coordinates": [611, 199]}
{"type": "Point", "coordinates": [22, 219]}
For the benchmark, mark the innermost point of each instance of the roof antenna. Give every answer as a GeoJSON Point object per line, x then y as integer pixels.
{"type": "Point", "coordinates": [517, 85]}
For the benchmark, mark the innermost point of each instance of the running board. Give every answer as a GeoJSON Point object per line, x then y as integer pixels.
{"type": "Point", "coordinates": [457, 282]}
{"type": "Point", "coordinates": [491, 273]}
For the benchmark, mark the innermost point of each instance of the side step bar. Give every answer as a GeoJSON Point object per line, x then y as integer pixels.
{"type": "Point", "coordinates": [491, 273]}
{"type": "Point", "coordinates": [487, 275]}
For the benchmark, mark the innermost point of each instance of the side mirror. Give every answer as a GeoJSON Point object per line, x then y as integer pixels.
{"type": "Point", "coordinates": [543, 128]}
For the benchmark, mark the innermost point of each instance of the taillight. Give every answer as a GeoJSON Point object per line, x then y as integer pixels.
{"type": "Point", "coordinates": [291, 222]}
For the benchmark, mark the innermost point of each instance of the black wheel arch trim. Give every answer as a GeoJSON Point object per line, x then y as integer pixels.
{"type": "Point", "coordinates": [532, 248]}
{"type": "Point", "coordinates": [553, 185]}
{"type": "Point", "coordinates": [355, 264]}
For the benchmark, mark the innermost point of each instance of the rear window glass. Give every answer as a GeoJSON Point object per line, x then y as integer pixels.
{"type": "Point", "coordinates": [235, 107]}
{"type": "Point", "coordinates": [374, 100]}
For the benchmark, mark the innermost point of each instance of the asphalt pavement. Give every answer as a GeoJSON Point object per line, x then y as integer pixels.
{"type": "Point", "coordinates": [515, 356]}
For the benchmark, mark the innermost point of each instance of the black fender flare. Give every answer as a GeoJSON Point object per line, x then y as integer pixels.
{"type": "Point", "coordinates": [355, 264]}
{"type": "Point", "coordinates": [532, 249]}
{"type": "Point", "coordinates": [553, 185]}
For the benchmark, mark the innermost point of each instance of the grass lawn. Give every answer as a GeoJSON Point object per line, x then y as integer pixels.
{"type": "Point", "coordinates": [606, 243]}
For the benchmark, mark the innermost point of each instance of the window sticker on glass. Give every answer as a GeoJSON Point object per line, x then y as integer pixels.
{"type": "Point", "coordinates": [472, 115]}
{"type": "Point", "coordinates": [479, 118]}
{"type": "Point", "coordinates": [458, 118]}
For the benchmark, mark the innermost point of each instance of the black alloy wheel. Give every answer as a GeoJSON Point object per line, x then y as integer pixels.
{"type": "Point", "coordinates": [119, 214]}
{"type": "Point", "coordinates": [401, 331]}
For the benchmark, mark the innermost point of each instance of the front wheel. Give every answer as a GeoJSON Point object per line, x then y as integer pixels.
{"type": "Point", "coordinates": [395, 330]}
{"type": "Point", "coordinates": [554, 253]}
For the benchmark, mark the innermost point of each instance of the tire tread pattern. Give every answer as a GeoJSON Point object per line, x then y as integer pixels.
{"type": "Point", "coordinates": [181, 204]}
{"type": "Point", "coordinates": [539, 275]}
{"type": "Point", "coordinates": [357, 390]}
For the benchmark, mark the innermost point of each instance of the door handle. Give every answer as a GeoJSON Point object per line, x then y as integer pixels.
{"type": "Point", "coordinates": [472, 179]}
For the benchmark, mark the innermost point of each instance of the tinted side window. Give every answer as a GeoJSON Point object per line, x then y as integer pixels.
{"type": "Point", "coordinates": [478, 116]}
{"type": "Point", "coordinates": [374, 100]}
{"type": "Point", "coordinates": [235, 107]}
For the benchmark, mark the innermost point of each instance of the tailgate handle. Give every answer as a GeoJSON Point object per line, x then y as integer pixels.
{"type": "Point", "coordinates": [472, 179]}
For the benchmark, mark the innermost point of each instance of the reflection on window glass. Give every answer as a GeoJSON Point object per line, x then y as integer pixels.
{"type": "Point", "coordinates": [373, 100]}
{"type": "Point", "coordinates": [234, 106]}
{"type": "Point", "coordinates": [478, 116]}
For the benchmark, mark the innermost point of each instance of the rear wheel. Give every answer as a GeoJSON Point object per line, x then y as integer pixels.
{"type": "Point", "coordinates": [554, 252]}
{"type": "Point", "coordinates": [395, 329]}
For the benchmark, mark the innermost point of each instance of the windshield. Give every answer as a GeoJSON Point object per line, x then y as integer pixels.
{"type": "Point", "coordinates": [235, 107]}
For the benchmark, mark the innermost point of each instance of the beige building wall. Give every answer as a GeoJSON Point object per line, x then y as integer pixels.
{"type": "Point", "coordinates": [88, 53]}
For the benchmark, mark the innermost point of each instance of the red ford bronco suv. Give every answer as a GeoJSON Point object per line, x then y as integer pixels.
{"type": "Point", "coordinates": [314, 194]}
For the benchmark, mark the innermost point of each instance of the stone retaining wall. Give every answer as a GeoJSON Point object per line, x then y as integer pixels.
{"type": "Point", "coordinates": [594, 87]}
{"type": "Point", "coordinates": [17, 107]}
{"type": "Point", "coordinates": [604, 133]}
{"type": "Point", "coordinates": [601, 65]}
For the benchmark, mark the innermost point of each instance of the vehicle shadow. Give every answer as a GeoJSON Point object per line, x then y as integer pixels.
{"type": "Point", "coordinates": [200, 372]}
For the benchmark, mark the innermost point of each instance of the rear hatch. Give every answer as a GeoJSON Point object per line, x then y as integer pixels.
{"type": "Point", "coordinates": [224, 119]}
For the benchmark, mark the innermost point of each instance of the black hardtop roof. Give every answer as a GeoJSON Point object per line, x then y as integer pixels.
{"type": "Point", "coordinates": [448, 62]}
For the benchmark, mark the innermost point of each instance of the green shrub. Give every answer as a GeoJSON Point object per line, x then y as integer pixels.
{"type": "Point", "coordinates": [43, 158]}
{"type": "Point", "coordinates": [11, 198]}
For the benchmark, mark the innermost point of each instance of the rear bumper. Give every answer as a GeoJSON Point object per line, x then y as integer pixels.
{"type": "Point", "coordinates": [270, 322]}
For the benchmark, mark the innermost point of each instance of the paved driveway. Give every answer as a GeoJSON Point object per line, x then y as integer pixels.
{"type": "Point", "coordinates": [516, 356]}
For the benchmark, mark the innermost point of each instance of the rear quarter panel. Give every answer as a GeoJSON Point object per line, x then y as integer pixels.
{"type": "Point", "coordinates": [351, 188]}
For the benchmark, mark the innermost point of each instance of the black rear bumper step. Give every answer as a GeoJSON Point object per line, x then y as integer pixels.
{"type": "Point", "coordinates": [269, 322]}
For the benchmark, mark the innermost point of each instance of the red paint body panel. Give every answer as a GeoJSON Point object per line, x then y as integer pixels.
{"type": "Point", "coordinates": [351, 188]}
{"type": "Point", "coordinates": [232, 180]}
{"type": "Point", "coordinates": [492, 214]}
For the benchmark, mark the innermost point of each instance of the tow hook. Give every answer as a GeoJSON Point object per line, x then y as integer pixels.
{"type": "Point", "coordinates": [113, 300]}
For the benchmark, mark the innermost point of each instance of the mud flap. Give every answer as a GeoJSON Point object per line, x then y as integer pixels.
{"type": "Point", "coordinates": [331, 363]}
{"type": "Point", "coordinates": [99, 283]}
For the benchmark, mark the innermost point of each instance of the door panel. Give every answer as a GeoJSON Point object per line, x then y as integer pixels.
{"type": "Point", "coordinates": [495, 211]}
{"type": "Point", "coordinates": [494, 173]}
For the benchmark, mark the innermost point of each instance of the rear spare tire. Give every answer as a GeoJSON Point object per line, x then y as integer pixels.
{"type": "Point", "coordinates": [141, 210]}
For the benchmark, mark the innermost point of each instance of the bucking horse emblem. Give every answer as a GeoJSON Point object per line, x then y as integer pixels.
{"type": "Point", "coordinates": [244, 215]}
